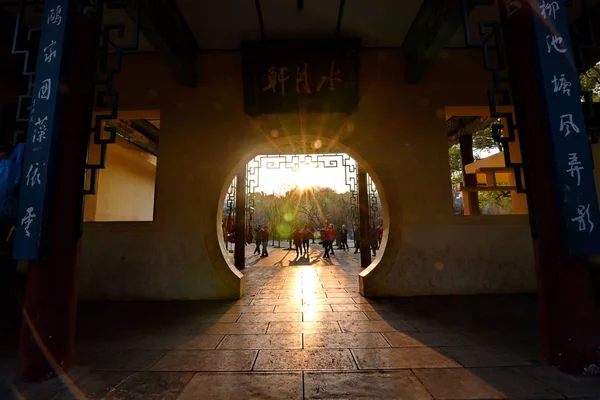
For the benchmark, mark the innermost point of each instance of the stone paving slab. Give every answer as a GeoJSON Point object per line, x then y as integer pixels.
{"type": "Point", "coordinates": [364, 385]}
{"type": "Point", "coordinates": [400, 358]}
{"type": "Point", "coordinates": [243, 386]}
{"type": "Point", "coordinates": [165, 341]}
{"type": "Point", "coordinates": [376, 326]}
{"type": "Point", "coordinates": [303, 308]}
{"type": "Point", "coordinates": [304, 327]}
{"type": "Point", "coordinates": [435, 339]}
{"type": "Point", "coordinates": [258, 342]}
{"type": "Point", "coordinates": [206, 360]}
{"type": "Point", "coordinates": [151, 386]}
{"type": "Point", "coordinates": [325, 359]}
{"type": "Point", "coordinates": [271, 317]}
{"type": "Point", "coordinates": [344, 340]}
{"type": "Point", "coordinates": [126, 360]}
{"type": "Point", "coordinates": [484, 383]}
{"type": "Point", "coordinates": [488, 356]}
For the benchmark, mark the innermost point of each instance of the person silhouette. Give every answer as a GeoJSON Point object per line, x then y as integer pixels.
{"type": "Point", "coordinates": [305, 234]}
{"type": "Point", "coordinates": [373, 239]}
{"type": "Point", "coordinates": [258, 234]}
{"type": "Point", "coordinates": [265, 242]}
{"type": "Point", "coordinates": [344, 238]}
{"type": "Point", "coordinates": [356, 239]}
{"type": "Point", "coordinates": [297, 238]}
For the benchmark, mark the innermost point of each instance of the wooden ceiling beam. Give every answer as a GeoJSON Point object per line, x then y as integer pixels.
{"type": "Point", "coordinates": [164, 26]}
{"type": "Point", "coordinates": [146, 128]}
{"type": "Point", "coordinates": [435, 23]}
{"type": "Point", "coordinates": [581, 36]}
{"type": "Point", "coordinates": [461, 126]}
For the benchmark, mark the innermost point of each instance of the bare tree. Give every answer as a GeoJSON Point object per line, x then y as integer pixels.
{"type": "Point", "coordinates": [283, 213]}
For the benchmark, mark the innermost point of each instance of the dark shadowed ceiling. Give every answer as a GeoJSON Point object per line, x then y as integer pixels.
{"type": "Point", "coordinates": [223, 24]}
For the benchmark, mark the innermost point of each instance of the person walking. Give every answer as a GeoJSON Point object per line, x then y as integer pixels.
{"type": "Point", "coordinates": [306, 234]}
{"type": "Point", "coordinates": [324, 237]}
{"type": "Point", "coordinates": [344, 238]}
{"type": "Point", "coordinates": [379, 235]}
{"type": "Point", "coordinates": [328, 239]}
{"type": "Point", "coordinates": [374, 235]}
{"type": "Point", "coordinates": [265, 242]}
{"type": "Point", "coordinates": [258, 233]}
{"type": "Point", "coordinates": [297, 237]}
{"type": "Point", "coordinates": [356, 239]}
{"type": "Point", "coordinates": [332, 236]}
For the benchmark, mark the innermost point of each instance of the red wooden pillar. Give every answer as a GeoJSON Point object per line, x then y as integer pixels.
{"type": "Point", "coordinates": [565, 295]}
{"type": "Point", "coordinates": [240, 220]}
{"type": "Point", "coordinates": [363, 212]}
{"type": "Point", "coordinates": [471, 199]}
{"type": "Point", "coordinates": [47, 343]}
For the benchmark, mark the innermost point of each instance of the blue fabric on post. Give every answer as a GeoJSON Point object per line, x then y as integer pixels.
{"type": "Point", "coordinates": [10, 174]}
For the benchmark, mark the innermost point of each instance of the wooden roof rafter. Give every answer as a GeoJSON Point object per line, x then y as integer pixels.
{"type": "Point", "coordinates": [146, 128]}
{"type": "Point", "coordinates": [434, 25]}
{"type": "Point", "coordinates": [461, 126]}
{"type": "Point", "coordinates": [166, 29]}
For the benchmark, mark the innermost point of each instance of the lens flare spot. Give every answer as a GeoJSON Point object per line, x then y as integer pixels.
{"type": "Point", "coordinates": [274, 133]}
{"type": "Point", "coordinates": [317, 144]}
{"type": "Point", "coordinates": [288, 217]}
{"type": "Point", "coordinates": [439, 266]}
{"type": "Point", "coordinates": [284, 229]}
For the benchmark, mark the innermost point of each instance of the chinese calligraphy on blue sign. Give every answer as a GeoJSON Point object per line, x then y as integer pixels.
{"type": "Point", "coordinates": [573, 159]}
{"type": "Point", "coordinates": [36, 177]}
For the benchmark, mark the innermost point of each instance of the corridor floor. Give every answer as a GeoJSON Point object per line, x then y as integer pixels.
{"type": "Point", "coordinates": [302, 330]}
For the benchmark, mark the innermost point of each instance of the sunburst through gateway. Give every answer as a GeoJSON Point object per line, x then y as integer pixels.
{"type": "Point", "coordinates": [278, 174]}
{"type": "Point", "coordinates": [285, 193]}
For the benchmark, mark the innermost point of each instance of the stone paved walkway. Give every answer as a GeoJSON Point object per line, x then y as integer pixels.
{"type": "Point", "coordinates": [303, 331]}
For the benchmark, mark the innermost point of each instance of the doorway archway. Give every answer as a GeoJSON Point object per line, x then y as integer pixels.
{"type": "Point", "coordinates": [319, 159]}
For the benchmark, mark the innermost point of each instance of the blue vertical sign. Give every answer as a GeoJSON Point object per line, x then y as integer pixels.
{"type": "Point", "coordinates": [42, 135]}
{"type": "Point", "coordinates": [577, 194]}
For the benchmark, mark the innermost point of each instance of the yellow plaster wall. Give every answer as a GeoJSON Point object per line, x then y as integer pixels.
{"type": "Point", "coordinates": [398, 132]}
{"type": "Point", "coordinates": [125, 188]}
{"type": "Point", "coordinates": [128, 183]}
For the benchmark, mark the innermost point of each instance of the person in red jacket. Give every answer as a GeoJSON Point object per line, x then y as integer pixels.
{"type": "Point", "coordinates": [306, 234]}
{"type": "Point", "coordinates": [328, 240]}
{"type": "Point", "coordinates": [297, 237]}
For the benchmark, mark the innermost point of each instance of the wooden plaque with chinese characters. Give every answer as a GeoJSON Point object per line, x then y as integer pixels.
{"type": "Point", "coordinates": [316, 75]}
